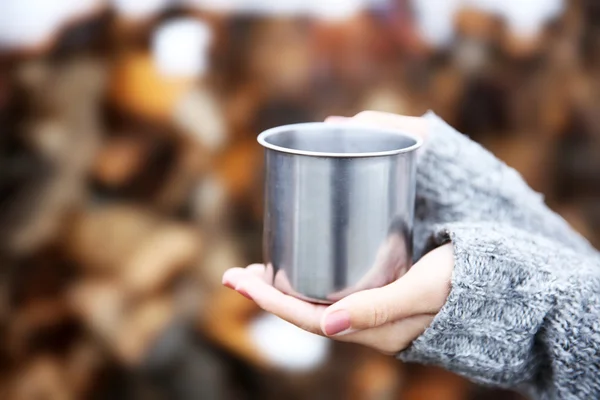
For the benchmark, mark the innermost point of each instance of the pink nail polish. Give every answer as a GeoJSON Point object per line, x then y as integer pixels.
{"type": "Point", "coordinates": [337, 322]}
{"type": "Point", "coordinates": [244, 293]}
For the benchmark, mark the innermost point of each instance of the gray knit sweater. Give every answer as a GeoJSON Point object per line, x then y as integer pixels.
{"type": "Point", "coordinates": [524, 308]}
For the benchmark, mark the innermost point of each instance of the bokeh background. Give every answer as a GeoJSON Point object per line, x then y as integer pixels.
{"type": "Point", "coordinates": [130, 177]}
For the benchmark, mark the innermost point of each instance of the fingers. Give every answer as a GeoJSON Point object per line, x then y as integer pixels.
{"type": "Point", "coordinates": [386, 318]}
{"type": "Point", "coordinates": [233, 275]}
{"type": "Point", "coordinates": [388, 338]}
{"type": "Point", "coordinates": [252, 285]}
{"type": "Point", "coordinates": [413, 125]}
{"type": "Point", "coordinates": [258, 270]}
{"type": "Point", "coordinates": [422, 290]}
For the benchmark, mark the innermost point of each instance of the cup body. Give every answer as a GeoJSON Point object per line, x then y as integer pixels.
{"type": "Point", "coordinates": [339, 205]}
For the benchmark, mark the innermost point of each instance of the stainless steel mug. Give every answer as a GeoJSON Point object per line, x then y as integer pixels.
{"type": "Point", "coordinates": [339, 206]}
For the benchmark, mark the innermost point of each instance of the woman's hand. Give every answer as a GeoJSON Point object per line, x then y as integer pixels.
{"type": "Point", "coordinates": [504, 265]}
{"type": "Point", "coordinates": [387, 319]}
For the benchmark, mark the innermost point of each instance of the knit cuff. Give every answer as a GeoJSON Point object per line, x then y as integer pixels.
{"type": "Point", "coordinates": [498, 302]}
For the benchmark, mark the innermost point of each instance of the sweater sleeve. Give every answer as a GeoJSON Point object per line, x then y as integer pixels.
{"type": "Point", "coordinates": [458, 180]}
{"type": "Point", "coordinates": [523, 313]}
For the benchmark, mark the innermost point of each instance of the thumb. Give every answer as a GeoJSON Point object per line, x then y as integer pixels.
{"type": "Point", "coordinates": [422, 290]}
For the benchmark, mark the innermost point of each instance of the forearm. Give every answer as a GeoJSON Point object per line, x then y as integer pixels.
{"type": "Point", "coordinates": [458, 180]}
{"type": "Point", "coordinates": [523, 313]}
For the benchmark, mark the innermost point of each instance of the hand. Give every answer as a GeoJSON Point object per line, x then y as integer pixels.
{"type": "Point", "coordinates": [387, 319]}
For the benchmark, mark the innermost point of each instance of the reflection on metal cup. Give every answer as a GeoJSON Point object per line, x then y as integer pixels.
{"type": "Point", "coordinates": [339, 206]}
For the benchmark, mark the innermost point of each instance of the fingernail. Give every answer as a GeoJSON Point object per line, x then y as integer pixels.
{"type": "Point", "coordinates": [337, 322]}
{"type": "Point", "coordinates": [244, 293]}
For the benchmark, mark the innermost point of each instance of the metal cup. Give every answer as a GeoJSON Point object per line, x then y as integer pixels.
{"type": "Point", "coordinates": [339, 206]}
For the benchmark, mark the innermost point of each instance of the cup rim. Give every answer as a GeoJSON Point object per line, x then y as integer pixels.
{"type": "Point", "coordinates": [262, 140]}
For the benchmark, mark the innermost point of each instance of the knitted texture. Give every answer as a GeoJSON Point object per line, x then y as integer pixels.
{"type": "Point", "coordinates": [524, 307]}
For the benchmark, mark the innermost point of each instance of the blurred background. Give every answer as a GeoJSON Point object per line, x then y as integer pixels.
{"type": "Point", "coordinates": [130, 177]}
